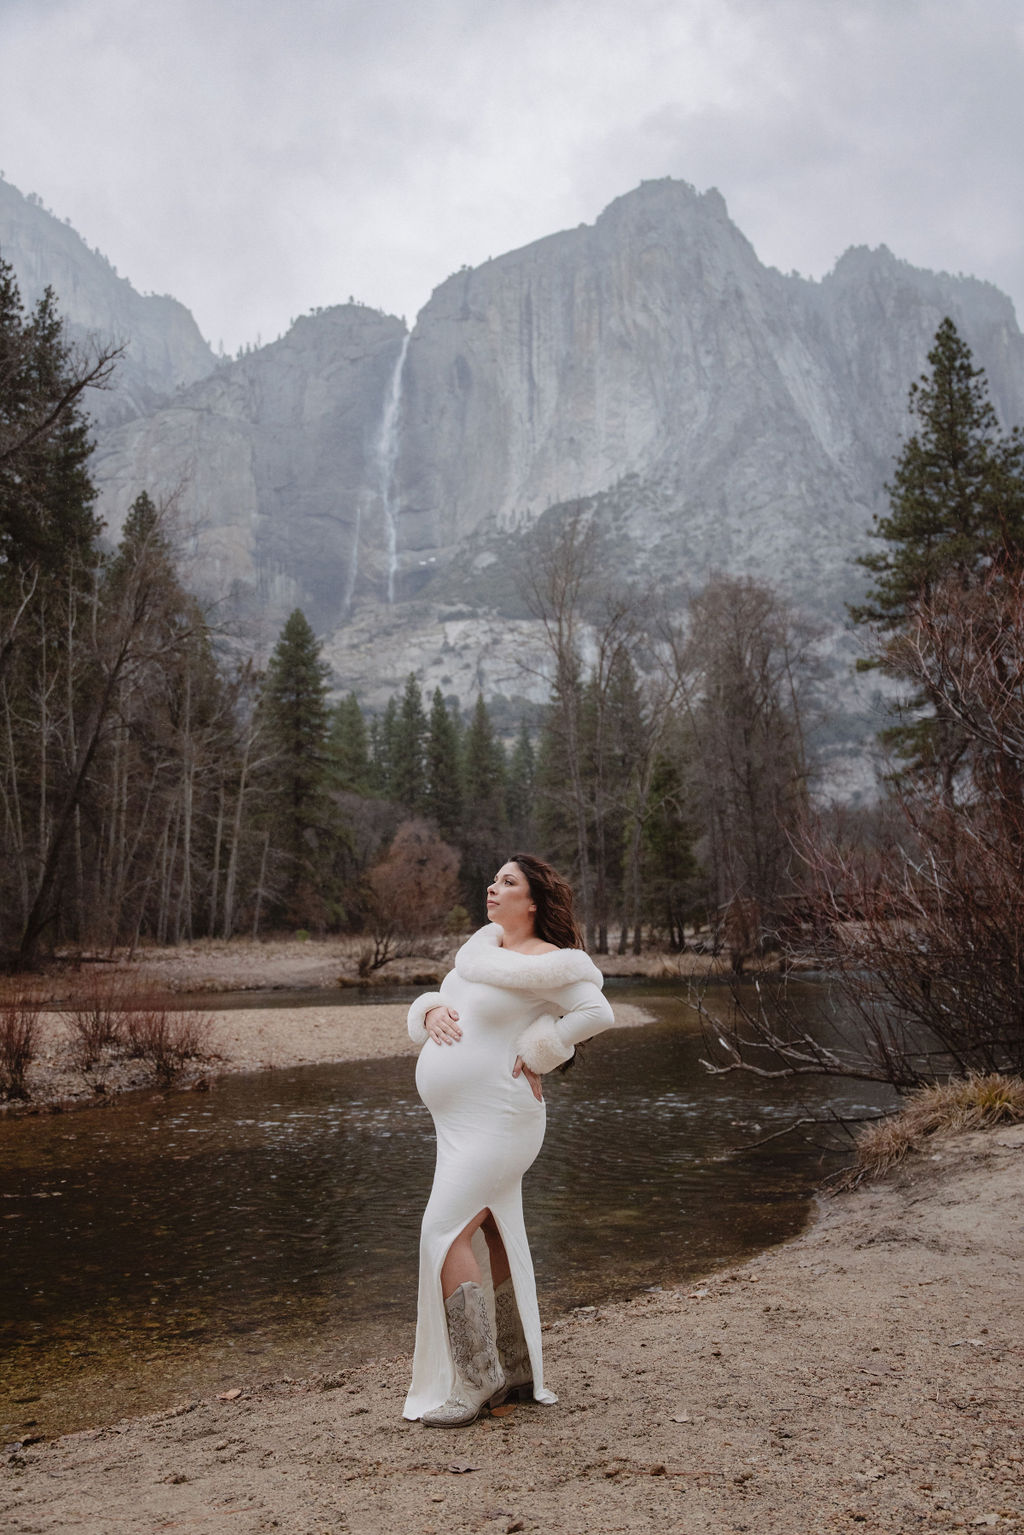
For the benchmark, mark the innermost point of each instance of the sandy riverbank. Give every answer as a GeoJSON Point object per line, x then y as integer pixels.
{"type": "Point", "coordinates": [865, 1376]}
{"type": "Point", "coordinates": [258, 1038]}
{"type": "Point", "coordinates": [214, 965]}
{"type": "Point", "coordinates": [240, 1039]}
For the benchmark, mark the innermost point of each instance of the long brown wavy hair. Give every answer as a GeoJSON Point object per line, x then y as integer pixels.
{"type": "Point", "coordinates": [554, 920]}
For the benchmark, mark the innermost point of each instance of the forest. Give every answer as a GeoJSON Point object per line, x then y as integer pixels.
{"type": "Point", "coordinates": [156, 786]}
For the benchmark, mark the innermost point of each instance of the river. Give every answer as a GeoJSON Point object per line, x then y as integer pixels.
{"type": "Point", "coordinates": [173, 1245]}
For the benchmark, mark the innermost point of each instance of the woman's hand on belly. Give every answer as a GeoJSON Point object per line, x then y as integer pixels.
{"type": "Point", "coordinates": [442, 1024]}
{"type": "Point", "coordinates": [531, 1077]}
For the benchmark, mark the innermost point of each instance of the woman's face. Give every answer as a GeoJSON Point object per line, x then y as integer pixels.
{"type": "Point", "coordinates": [509, 902]}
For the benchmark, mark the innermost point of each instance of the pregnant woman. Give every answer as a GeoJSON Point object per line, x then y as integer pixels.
{"type": "Point", "coordinates": [522, 995]}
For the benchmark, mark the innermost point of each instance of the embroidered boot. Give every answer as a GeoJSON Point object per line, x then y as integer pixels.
{"type": "Point", "coordinates": [512, 1349]}
{"type": "Point", "coordinates": [478, 1373]}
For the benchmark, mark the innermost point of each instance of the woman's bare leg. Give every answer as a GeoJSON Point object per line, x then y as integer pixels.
{"type": "Point", "coordinates": [460, 1263]}
{"type": "Point", "coordinates": [496, 1248]}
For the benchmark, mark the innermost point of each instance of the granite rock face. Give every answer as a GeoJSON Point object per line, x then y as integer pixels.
{"type": "Point", "coordinates": [276, 466]}
{"type": "Point", "coordinates": [714, 413]}
{"type": "Point", "coordinates": [164, 350]}
{"type": "Point", "coordinates": [726, 414]}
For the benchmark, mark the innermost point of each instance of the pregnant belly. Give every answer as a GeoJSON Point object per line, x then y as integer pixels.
{"type": "Point", "coordinates": [468, 1078]}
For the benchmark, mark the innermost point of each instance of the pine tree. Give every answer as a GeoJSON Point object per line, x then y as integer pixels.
{"type": "Point", "coordinates": [409, 740]}
{"type": "Point", "coordinates": [485, 827]}
{"type": "Point", "coordinates": [670, 868]}
{"type": "Point", "coordinates": [383, 730]}
{"type": "Point", "coordinates": [172, 744]}
{"type": "Point", "coordinates": [348, 747]}
{"type": "Point", "coordinates": [750, 662]}
{"type": "Point", "coordinates": [51, 690]}
{"type": "Point", "coordinates": [957, 497]}
{"type": "Point", "coordinates": [956, 507]}
{"type": "Point", "coordinates": [47, 520]}
{"type": "Point", "coordinates": [296, 716]}
{"type": "Point", "coordinates": [521, 790]}
{"type": "Point", "coordinates": [123, 762]}
{"type": "Point", "coordinates": [554, 819]}
{"type": "Point", "coordinates": [442, 798]}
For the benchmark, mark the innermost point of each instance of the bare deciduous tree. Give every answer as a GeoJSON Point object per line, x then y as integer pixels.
{"type": "Point", "coordinates": [926, 934]}
{"type": "Point", "coordinates": [411, 893]}
{"type": "Point", "coordinates": [748, 662]}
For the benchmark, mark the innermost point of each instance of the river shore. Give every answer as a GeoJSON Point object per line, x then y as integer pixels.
{"type": "Point", "coordinates": [864, 1376]}
{"type": "Point", "coordinates": [238, 1039]}
{"type": "Point", "coordinates": [212, 965]}
{"type": "Point", "coordinates": [257, 1038]}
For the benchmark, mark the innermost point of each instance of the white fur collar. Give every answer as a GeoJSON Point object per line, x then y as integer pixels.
{"type": "Point", "coordinates": [482, 959]}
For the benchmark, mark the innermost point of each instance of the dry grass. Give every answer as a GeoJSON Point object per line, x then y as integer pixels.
{"type": "Point", "coordinates": [167, 1041]}
{"type": "Point", "coordinates": [96, 1019]}
{"type": "Point", "coordinates": [19, 1023]}
{"type": "Point", "coordinates": [970, 1103]}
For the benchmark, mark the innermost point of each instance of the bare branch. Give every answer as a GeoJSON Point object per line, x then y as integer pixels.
{"type": "Point", "coordinates": [91, 373]}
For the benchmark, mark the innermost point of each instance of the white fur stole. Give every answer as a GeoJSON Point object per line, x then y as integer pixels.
{"type": "Point", "coordinates": [482, 959]}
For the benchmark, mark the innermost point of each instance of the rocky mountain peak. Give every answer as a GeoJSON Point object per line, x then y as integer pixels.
{"type": "Point", "coordinates": [711, 412]}
{"type": "Point", "coordinates": [164, 350]}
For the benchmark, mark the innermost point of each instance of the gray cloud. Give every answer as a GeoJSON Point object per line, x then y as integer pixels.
{"type": "Point", "coordinates": [259, 158]}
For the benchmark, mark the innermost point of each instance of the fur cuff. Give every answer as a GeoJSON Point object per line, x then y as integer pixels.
{"type": "Point", "coordinates": [418, 1011]}
{"type": "Point", "coordinates": [540, 1046]}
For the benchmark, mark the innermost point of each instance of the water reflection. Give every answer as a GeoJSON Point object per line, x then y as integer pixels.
{"type": "Point", "coordinates": [190, 1243]}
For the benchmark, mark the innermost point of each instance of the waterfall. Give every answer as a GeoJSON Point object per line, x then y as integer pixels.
{"type": "Point", "coordinates": [387, 458]}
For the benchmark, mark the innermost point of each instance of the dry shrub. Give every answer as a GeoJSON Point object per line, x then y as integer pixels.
{"type": "Point", "coordinates": [410, 894]}
{"type": "Point", "coordinates": [921, 924]}
{"type": "Point", "coordinates": [970, 1103]}
{"type": "Point", "coordinates": [96, 1019]}
{"type": "Point", "coordinates": [167, 1041]}
{"type": "Point", "coordinates": [19, 1021]}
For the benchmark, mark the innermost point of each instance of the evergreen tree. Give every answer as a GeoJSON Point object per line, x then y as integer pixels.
{"type": "Point", "coordinates": [554, 829]}
{"type": "Point", "coordinates": [348, 747]}
{"type": "Point", "coordinates": [144, 544]}
{"type": "Point", "coordinates": [485, 827]}
{"type": "Point", "coordinates": [296, 718]}
{"type": "Point", "coordinates": [751, 663]}
{"type": "Point", "coordinates": [173, 756]}
{"type": "Point", "coordinates": [670, 869]}
{"type": "Point", "coordinates": [624, 788]}
{"type": "Point", "coordinates": [521, 790]}
{"type": "Point", "coordinates": [52, 699]}
{"type": "Point", "coordinates": [442, 798]}
{"type": "Point", "coordinates": [408, 743]}
{"type": "Point", "coordinates": [956, 507]}
{"type": "Point", "coordinates": [383, 732]}
{"type": "Point", "coordinates": [47, 522]}
{"type": "Point", "coordinates": [957, 497]}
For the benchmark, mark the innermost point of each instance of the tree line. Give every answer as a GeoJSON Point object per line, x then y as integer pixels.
{"type": "Point", "coordinates": [153, 786]}
{"type": "Point", "coordinates": [917, 908]}
{"type": "Point", "coordinates": [664, 776]}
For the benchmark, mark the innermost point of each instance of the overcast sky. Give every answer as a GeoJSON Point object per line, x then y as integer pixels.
{"type": "Point", "coordinates": [259, 157]}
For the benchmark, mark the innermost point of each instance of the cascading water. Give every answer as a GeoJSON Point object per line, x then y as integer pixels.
{"type": "Point", "coordinates": [387, 458]}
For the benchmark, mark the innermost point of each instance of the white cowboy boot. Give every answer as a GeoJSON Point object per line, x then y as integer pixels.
{"type": "Point", "coordinates": [512, 1350]}
{"type": "Point", "coordinates": [478, 1373]}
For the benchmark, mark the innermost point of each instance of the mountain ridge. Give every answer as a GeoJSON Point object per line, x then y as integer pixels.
{"type": "Point", "coordinates": [714, 412]}
{"type": "Point", "coordinates": [164, 350]}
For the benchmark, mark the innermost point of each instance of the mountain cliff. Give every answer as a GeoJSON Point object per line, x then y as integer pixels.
{"type": "Point", "coordinates": [727, 414]}
{"type": "Point", "coordinates": [163, 348]}
{"type": "Point", "coordinates": [714, 412]}
{"type": "Point", "coordinates": [276, 463]}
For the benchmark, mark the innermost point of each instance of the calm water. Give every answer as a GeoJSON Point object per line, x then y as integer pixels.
{"type": "Point", "coordinates": [181, 1244]}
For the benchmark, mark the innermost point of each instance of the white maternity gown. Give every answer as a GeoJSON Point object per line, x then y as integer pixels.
{"type": "Point", "coordinates": [489, 1124]}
